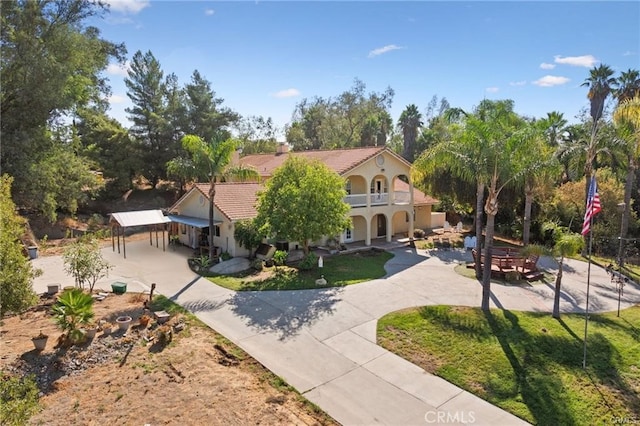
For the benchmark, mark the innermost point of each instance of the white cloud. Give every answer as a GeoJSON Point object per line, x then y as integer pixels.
{"type": "Point", "coordinates": [287, 93]}
{"type": "Point", "coordinates": [551, 80]}
{"type": "Point", "coordinates": [492, 89]}
{"type": "Point", "coordinates": [384, 49]}
{"type": "Point", "coordinates": [127, 6]}
{"type": "Point", "coordinates": [547, 66]}
{"type": "Point", "coordinates": [209, 12]}
{"type": "Point", "coordinates": [629, 53]}
{"type": "Point", "coordinates": [518, 83]}
{"type": "Point", "coordinates": [587, 61]}
{"type": "Point", "coordinates": [119, 69]}
{"type": "Point", "coordinates": [117, 99]}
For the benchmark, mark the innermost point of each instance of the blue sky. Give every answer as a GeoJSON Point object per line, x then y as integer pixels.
{"type": "Point", "coordinates": [262, 58]}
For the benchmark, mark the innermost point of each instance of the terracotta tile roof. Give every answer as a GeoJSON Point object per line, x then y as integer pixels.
{"type": "Point", "coordinates": [235, 200]}
{"type": "Point", "coordinates": [340, 160]}
{"type": "Point", "coordinates": [419, 197]}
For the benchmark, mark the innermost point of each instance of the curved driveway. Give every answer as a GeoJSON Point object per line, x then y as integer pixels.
{"type": "Point", "coordinates": [323, 342]}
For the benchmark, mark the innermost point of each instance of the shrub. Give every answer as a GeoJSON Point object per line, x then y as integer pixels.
{"type": "Point", "coordinates": [73, 309]}
{"type": "Point", "coordinates": [418, 233]}
{"type": "Point", "coordinates": [257, 265]}
{"type": "Point", "coordinates": [225, 255]}
{"type": "Point", "coordinates": [95, 222]}
{"type": "Point", "coordinates": [18, 399]}
{"type": "Point", "coordinates": [279, 257]}
{"type": "Point", "coordinates": [309, 262]}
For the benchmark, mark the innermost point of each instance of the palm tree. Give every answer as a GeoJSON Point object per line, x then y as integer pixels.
{"type": "Point", "coordinates": [627, 120]}
{"type": "Point", "coordinates": [628, 85]}
{"type": "Point", "coordinates": [212, 159]}
{"type": "Point", "coordinates": [600, 83]}
{"type": "Point", "coordinates": [554, 125]}
{"type": "Point", "coordinates": [410, 121]}
{"type": "Point", "coordinates": [491, 151]}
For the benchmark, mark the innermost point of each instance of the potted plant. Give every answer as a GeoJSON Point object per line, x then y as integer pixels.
{"type": "Point", "coordinates": [40, 341]}
{"type": "Point", "coordinates": [123, 322]}
{"type": "Point", "coordinates": [73, 309]}
{"type": "Point", "coordinates": [90, 330]}
{"type": "Point", "coordinates": [106, 328]}
{"type": "Point", "coordinates": [144, 320]}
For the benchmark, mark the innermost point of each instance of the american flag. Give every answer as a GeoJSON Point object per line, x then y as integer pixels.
{"type": "Point", "coordinates": [593, 206]}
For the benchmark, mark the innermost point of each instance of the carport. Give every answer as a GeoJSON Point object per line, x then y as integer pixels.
{"type": "Point", "coordinates": [151, 218]}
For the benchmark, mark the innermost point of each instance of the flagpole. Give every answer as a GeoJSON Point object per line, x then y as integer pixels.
{"type": "Point", "coordinates": [586, 311]}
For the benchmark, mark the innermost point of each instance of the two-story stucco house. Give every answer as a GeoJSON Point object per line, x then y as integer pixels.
{"type": "Point", "coordinates": [383, 201]}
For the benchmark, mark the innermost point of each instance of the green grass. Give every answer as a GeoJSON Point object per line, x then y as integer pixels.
{"type": "Point", "coordinates": [340, 270]}
{"type": "Point", "coordinates": [528, 363]}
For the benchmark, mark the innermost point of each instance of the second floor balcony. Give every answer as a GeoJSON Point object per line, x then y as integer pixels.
{"type": "Point", "coordinates": [378, 199]}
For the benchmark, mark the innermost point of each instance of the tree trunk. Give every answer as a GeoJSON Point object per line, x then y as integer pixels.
{"type": "Point", "coordinates": [624, 226]}
{"type": "Point", "coordinates": [479, 204]}
{"type": "Point", "coordinates": [212, 194]}
{"type": "Point", "coordinates": [528, 202]}
{"type": "Point", "coordinates": [556, 296]}
{"type": "Point", "coordinates": [491, 208]}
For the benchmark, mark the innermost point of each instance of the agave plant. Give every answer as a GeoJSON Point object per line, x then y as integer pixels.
{"type": "Point", "coordinates": [73, 309]}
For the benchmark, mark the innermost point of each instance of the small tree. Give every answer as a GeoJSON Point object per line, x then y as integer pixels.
{"type": "Point", "coordinates": [565, 244]}
{"type": "Point", "coordinates": [73, 309]}
{"type": "Point", "coordinates": [16, 273]}
{"type": "Point", "coordinates": [303, 201]}
{"type": "Point", "coordinates": [83, 260]}
{"type": "Point", "coordinates": [279, 258]}
{"type": "Point", "coordinates": [247, 235]}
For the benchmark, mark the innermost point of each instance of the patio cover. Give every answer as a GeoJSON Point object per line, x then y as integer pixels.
{"type": "Point", "coordinates": [139, 218]}
{"type": "Point", "coordinates": [192, 221]}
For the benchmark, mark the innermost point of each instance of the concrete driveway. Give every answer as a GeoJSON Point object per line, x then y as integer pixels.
{"type": "Point", "coordinates": [323, 341]}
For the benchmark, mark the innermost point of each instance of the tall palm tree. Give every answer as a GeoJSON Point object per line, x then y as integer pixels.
{"type": "Point", "coordinates": [410, 121]}
{"type": "Point", "coordinates": [600, 83]}
{"type": "Point", "coordinates": [554, 125]}
{"type": "Point", "coordinates": [490, 149]}
{"type": "Point", "coordinates": [627, 121]}
{"type": "Point", "coordinates": [628, 85]}
{"type": "Point", "coordinates": [211, 159]}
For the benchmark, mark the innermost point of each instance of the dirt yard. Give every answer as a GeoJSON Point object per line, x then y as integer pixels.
{"type": "Point", "coordinates": [131, 379]}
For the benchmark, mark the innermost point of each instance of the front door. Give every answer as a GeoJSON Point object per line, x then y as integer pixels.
{"type": "Point", "coordinates": [348, 235]}
{"type": "Point", "coordinates": [382, 225]}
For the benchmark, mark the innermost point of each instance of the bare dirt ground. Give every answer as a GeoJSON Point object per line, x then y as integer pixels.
{"type": "Point", "coordinates": [199, 378]}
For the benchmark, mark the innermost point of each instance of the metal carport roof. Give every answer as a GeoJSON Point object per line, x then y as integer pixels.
{"type": "Point", "coordinates": [139, 218]}
{"type": "Point", "coordinates": [192, 221]}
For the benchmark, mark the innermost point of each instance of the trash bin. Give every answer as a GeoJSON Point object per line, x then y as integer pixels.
{"type": "Point", "coordinates": [33, 252]}
{"type": "Point", "coordinates": [119, 287]}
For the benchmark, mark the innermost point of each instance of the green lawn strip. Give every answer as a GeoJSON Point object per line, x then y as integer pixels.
{"type": "Point", "coordinates": [338, 270]}
{"type": "Point", "coordinates": [527, 363]}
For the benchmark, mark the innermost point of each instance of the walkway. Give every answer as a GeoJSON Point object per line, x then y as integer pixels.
{"type": "Point", "coordinates": [323, 342]}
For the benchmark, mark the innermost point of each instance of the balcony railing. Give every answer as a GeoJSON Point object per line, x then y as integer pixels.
{"type": "Point", "coordinates": [360, 200]}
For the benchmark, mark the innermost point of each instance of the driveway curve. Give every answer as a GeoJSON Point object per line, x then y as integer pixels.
{"type": "Point", "coordinates": [323, 341]}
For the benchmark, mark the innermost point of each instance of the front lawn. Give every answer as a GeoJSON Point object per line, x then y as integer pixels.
{"type": "Point", "coordinates": [528, 363]}
{"type": "Point", "coordinates": [338, 270]}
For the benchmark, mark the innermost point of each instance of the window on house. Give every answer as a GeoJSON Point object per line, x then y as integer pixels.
{"type": "Point", "coordinates": [216, 230]}
{"type": "Point", "coordinates": [183, 228]}
{"type": "Point", "coordinates": [347, 187]}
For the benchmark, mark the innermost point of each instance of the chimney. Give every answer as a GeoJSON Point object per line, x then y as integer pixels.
{"type": "Point", "coordinates": [282, 148]}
